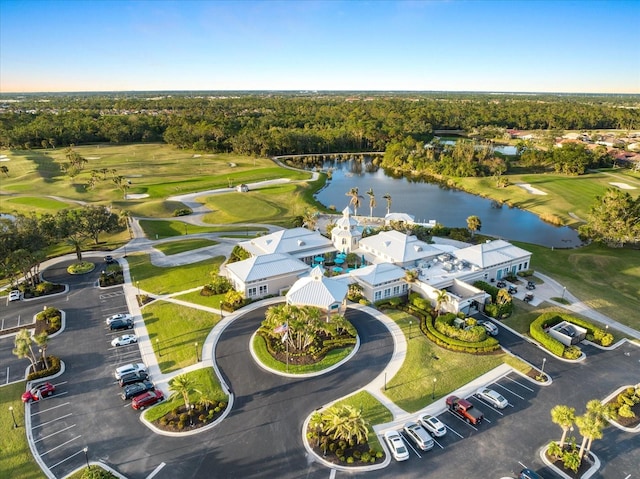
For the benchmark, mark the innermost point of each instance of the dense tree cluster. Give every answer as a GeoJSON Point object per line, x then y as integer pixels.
{"type": "Point", "coordinates": [614, 219]}
{"type": "Point", "coordinates": [23, 242]}
{"type": "Point", "coordinates": [276, 124]}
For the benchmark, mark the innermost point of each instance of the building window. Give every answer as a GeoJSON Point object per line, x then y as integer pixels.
{"type": "Point", "coordinates": [251, 292]}
{"type": "Point", "coordinates": [405, 287]}
{"type": "Point", "coordinates": [387, 292]}
{"type": "Point", "coordinates": [396, 290]}
{"type": "Point", "coordinates": [263, 289]}
{"type": "Point", "coordinates": [519, 266]}
{"type": "Point", "coordinates": [377, 295]}
{"type": "Point", "coordinates": [525, 265]}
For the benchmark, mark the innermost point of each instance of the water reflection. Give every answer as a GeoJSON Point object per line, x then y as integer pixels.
{"type": "Point", "coordinates": [427, 201]}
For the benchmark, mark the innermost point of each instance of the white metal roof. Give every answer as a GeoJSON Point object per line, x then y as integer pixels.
{"type": "Point", "coordinates": [266, 266]}
{"type": "Point", "coordinates": [376, 274]}
{"type": "Point", "coordinates": [299, 242]}
{"type": "Point", "coordinates": [317, 290]}
{"type": "Point", "coordinates": [492, 253]}
{"type": "Point", "coordinates": [396, 247]}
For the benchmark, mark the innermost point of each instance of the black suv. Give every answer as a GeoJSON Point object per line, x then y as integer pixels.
{"type": "Point", "coordinates": [134, 389]}
{"type": "Point", "coordinates": [119, 324]}
{"type": "Point", "coordinates": [133, 378]}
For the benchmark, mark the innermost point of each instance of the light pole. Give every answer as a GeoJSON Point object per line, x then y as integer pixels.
{"type": "Point", "coordinates": [544, 360]}
{"type": "Point", "coordinates": [221, 312]}
{"type": "Point", "coordinates": [138, 286]}
{"type": "Point", "coordinates": [40, 352]}
{"type": "Point", "coordinates": [564, 290]}
{"type": "Point", "coordinates": [433, 391]}
{"type": "Point", "coordinates": [15, 424]}
{"type": "Point", "coordinates": [410, 324]}
{"type": "Point", "coordinates": [385, 380]}
{"type": "Point", "coordinates": [86, 457]}
{"type": "Point", "coordinates": [197, 357]}
{"type": "Point", "coordinates": [185, 228]}
{"type": "Point", "coordinates": [191, 406]}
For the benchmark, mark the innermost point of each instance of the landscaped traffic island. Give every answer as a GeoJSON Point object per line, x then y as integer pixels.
{"type": "Point", "coordinates": [302, 339]}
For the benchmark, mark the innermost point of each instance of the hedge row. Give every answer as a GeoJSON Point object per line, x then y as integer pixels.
{"type": "Point", "coordinates": [537, 332]}
{"type": "Point", "coordinates": [487, 288]}
{"type": "Point", "coordinates": [486, 346]}
{"type": "Point", "coordinates": [54, 367]}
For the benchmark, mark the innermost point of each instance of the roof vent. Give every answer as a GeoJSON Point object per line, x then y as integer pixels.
{"type": "Point", "coordinates": [300, 243]}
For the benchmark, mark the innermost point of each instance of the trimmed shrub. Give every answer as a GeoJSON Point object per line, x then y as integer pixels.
{"type": "Point", "coordinates": [182, 212]}
{"type": "Point", "coordinates": [537, 332]}
{"type": "Point", "coordinates": [572, 352]}
{"type": "Point", "coordinates": [54, 367]}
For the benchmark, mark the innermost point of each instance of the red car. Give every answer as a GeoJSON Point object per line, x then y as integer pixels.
{"type": "Point", "coordinates": [147, 399]}
{"type": "Point", "coordinates": [38, 392]}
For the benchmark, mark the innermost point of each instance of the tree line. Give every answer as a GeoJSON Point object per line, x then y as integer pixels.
{"type": "Point", "coordinates": [280, 124]}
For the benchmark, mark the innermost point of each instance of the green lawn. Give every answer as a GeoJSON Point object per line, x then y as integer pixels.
{"type": "Point", "coordinates": [165, 229]}
{"type": "Point", "coordinates": [206, 382]}
{"type": "Point", "coordinates": [607, 279]}
{"type": "Point", "coordinates": [196, 298]}
{"type": "Point", "coordinates": [27, 204]}
{"type": "Point", "coordinates": [277, 204]}
{"type": "Point", "coordinates": [565, 194]}
{"type": "Point", "coordinates": [373, 411]}
{"type": "Point", "coordinates": [16, 461]}
{"type": "Point", "coordinates": [158, 280]}
{"type": "Point", "coordinates": [175, 247]}
{"type": "Point", "coordinates": [412, 387]}
{"type": "Point", "coordinates": [333, 357]}
{"type": "Point", "coordinates": [177, 328]}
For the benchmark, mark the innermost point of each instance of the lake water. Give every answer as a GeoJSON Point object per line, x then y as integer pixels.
{"type": "Point", "coordinates": [429, 201]}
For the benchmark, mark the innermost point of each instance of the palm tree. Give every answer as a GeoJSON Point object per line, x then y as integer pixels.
{"type": "Point", "coordinates": [206, 401]}
{"type": "Point", "coordinates": [345, 423]}
{"type": "Point", "coordinates": [563, 416]}
{"type": "Point", "coordinates": [372, 202]}
{"type": "Point", "coordinates": [4, 169]}
{"type": "Point", "coordinates": [182, 385]}
{"type": "Point", "coordinates": [474, 224]}
{"type": "Point", "coordinates": [589, 429]}
{"type": "Point", "coordinates": [310, 219]}
{"type": "Point", "coordinates": [42, 340]}
{"type": "Point", "coordinates": [441, 298]}
{"type": "Point", "coordinates": [23, 349]}
{"type": "Point", "coordinates": [355, 199]}
{"type": "Point", "coordinates": [388, 198]}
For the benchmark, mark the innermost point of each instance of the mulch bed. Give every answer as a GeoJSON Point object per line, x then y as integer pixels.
{"type": "Point", "coordinates": [587, 462]}
{"type": "Point", "coordinates": [56, 288]}
{"type": "Point", "coordinates": [179, 420]}
{"type": "Point", "coordinates": [629, 422]}
{"type": "Point", "coordinates": [348, 452]}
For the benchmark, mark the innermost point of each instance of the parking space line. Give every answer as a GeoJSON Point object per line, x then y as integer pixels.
{"type": "Point", "coordinates": [509, 390]}
{"type": "Point", "coordinates": [67, 458]}
{"type": "Point", "coordinates": [332, 474]}
{"type": "Point", "coordinates": [408, 443]}
{"type": "Point", "coordinates": [49, 422]}
{"type": "Point", "coordinates": [53, 434]}
{"type": "Point", "coordinates": [454, 431]}
{"type": "Point", "coordinates": [7, 374]}
{"type": "Point", "coordinates": [519, 384]}
{"type": "Point", "coordinates": [485, 419]}
{"type": "Point", "coordinates": [60, 445]}
{"type": "Point", "coordinates": [50, 409]}
{"type": "Point", "coordinates": [159, 468]}
{"type": "Point", "coordinates": [56, 395]}
{"type": "Point", "coordinates": [462, 420]}
{"type": "Point", "coordinates": [485, 403]}
{"type": "Point", "coordinates": [441, 446]}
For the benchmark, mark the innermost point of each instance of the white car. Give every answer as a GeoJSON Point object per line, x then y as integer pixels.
{"type": "Point", "coordinates": [112, 318]}
{"type": "Point", "coordinates": [124, 340]}
{"type": "Point", "coordinates": [492, 329]}
{"type": "Point", "coordinates": [433, 425]}
{"type": "Point", "coordinates": [418, 435]}
{"type": "Point", "coordinates": [130, 368]}
{"type": "Point", "coordinates": [492, 397]}
{"type": "Point", "coordinates": [14, 295]}
{"type": "Point", "coordinates": [398, 449]}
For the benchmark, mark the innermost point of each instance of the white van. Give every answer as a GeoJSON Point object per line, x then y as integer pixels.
{"type": "Point", "coordinates": [130, 368]}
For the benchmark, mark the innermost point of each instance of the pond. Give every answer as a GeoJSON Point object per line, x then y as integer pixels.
{"type": "Point", "coordinates": [430, 201]}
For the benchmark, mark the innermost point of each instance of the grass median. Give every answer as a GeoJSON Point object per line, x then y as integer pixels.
{"type": "Point", "coordinates": [430, 372]}
{"type": "Point", "coordinates": [177, 333]}
{"type": "Point", "coordinates": [175, 247]}
{"type": "Point", "coordinates": [16, 461]}
{"type": "Point", "coordinates": [373, 411]}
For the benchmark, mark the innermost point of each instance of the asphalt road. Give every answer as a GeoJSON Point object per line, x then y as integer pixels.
{"type": "Point", "coordinates": [261, 437]}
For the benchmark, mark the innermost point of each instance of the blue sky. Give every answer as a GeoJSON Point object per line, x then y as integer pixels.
{"type": "Point", "coordinates": [543, 46]}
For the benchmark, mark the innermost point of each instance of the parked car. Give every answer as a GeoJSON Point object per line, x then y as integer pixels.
{"type": "Point", "coordinates": [130, 368]}
{"type": "Point", "coordinates": [119, 324]}
{"type": "Point", "coordinates": [118, 316]}
{"type": "Point", "coordinates": [131, 378]}
{"type": "Point", "coordinates": [492, 329]}
{"type": "Point", "coordinates": [124, 340]}
{"type": "Point", "coordinates": [147, 399]}
{"type": "Point", "coordinates": [132, 390]}
{"type": "Point", "coordinates": [529, 474]}
{"type": "Point", "coordinates": [38, 392]}
{"type": "Point", "coordinates": [418, 435]}
{"type": "Point", "coordinates": [513, 290]}
{"type": "Point", "coordinates": [398, 450]}
{"type": "Point", "coordinates": [531, 285]}
{"type": "Point", "coordinates": [492, 397]}
{"type": "Point", "coordinates": [528, 297]}
{"type": "Point", "coordinates": [15, 295]}
{"type": "Point", "coordinates": [501, 284]}
{"type": "Point", "coordinates": [433, 425]}
{"type": "Point", "coordinates": [109, 259]}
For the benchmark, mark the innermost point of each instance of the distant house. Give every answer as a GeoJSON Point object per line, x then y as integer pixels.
{"type": "Point", "coordinates": [300, 243]}
{"type": "Point", "coordinates": [397, 248]}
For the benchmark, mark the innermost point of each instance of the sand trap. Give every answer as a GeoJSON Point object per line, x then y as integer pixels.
{"type": "Point", "coordinates": [531, 189]}
{"type": "Point", "coordinates": [3, 156]}
{"type": "Point", "coordinates": [5, 159]}
{"type": "Point", "coordinates": [93, 157]}
{"type": "Point", "coordinates": [133, 176]}
{"type": "Point", "coordinates": [197, 156]}
{"type": "Point", "coordinates": [136, 197]}
{"type": "Point", "coordinates": [623, 186]}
